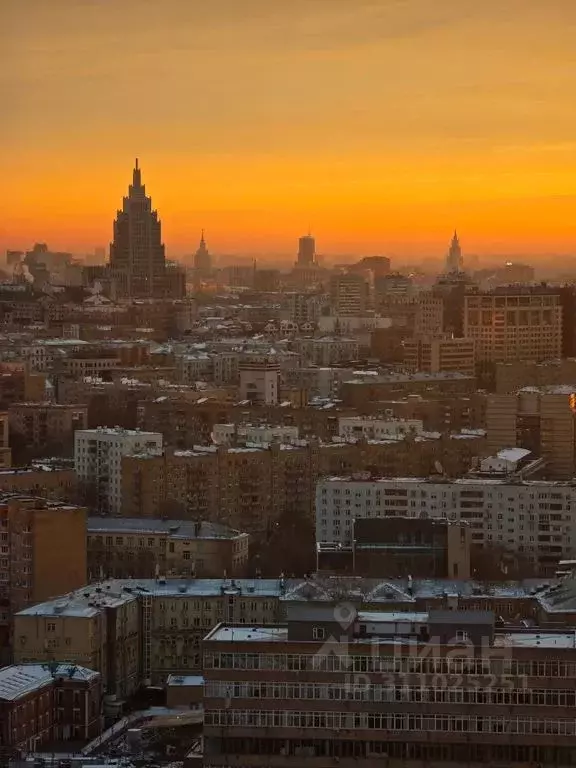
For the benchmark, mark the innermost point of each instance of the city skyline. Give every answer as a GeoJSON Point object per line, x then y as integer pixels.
{"type": "Point", "coordinates": [255, 137]}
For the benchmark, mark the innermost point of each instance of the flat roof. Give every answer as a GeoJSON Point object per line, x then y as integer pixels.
{"type": "Point", "coordinates": [246, 633]}
{"type": "Point", "coordinates": [175, 529]}
{"type": "Point", "coordinates": [537, 639]}
{"type": "Point", "coordinates": [184, 680]}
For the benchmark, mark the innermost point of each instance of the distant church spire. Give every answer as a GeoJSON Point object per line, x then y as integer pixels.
{"type": "Point", "coordinates": [202, 259]}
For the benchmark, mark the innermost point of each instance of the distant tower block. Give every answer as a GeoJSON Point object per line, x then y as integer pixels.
{"type": "Point", "coordinates": [202, 259]}
{"type": "Point", "coordinates": [454, 261]}
{"type": "Point", "coordinates": [306, 251]}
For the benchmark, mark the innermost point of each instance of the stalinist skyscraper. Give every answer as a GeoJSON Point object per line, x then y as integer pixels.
{"type": "Point", "coordinates": [137, 252]}
{"type": "Point", "coordinates": [454, 260]}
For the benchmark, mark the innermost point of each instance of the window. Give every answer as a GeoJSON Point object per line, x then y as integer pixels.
{"type": "Point", "coordinates": [186, 555]}
{"type": "Point", "coordinates": [318, 633]}
{"type": "Point", "coordinates": [462, 636]}
{"type": "Point", "coordinates": [51, 627]}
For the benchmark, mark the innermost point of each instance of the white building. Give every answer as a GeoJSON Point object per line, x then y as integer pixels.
{"type": "Point", "coordinates": [354, 427]}
{"type": "Point", "coordinates": [98, 460]}
{"type": "Point", "coordinates": [260, 381]}
{"type": "Point", "coordinates": [258, 434]}
{"type": "Point", "coordinates": [535, 519]}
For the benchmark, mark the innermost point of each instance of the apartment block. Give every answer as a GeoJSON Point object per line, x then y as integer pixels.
{"type": "Point", "coordinates": [255, 434]}
{"type": "Point", "coordinates": [540, 420]}
{"type": "Point", "coordinates": [363, 688]}
{"type": "Point", "coordinates": [531, 519]}
{"type": "Point", "coordinates": [143, 549]}
{"type": "Point", "coordinates": [38, 429]}
{"type": "Point", "coordinates": [98, 461]}
{"type": "Point", "coordinates": [44, 704]}
{"type": "Point", "coordinates": [33, 535]}
{"type": "Point", "coordinates": [519, 374]}
{"type": "Point", "coordinates": [252, 488]}
{"type": "Point", "coordinates": [370, 428]}
{"type": "Point", "coordinates": [49, 481]}
{"type": "Point", "coordinates": [325, 351]}
{"type": "Point", "coordinates": [440, 355]}
{"type": "Point", "coordinates": [429, 316]}
{"type": "Point", "coordinates": [349, 294]}
{"type": "Point", "coordinates": [514, 324]}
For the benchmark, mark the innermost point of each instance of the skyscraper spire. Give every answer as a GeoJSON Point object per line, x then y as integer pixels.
{"type": "Point", "coordinates": [136, 176]}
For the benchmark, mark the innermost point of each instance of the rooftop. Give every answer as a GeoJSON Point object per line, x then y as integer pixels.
{"type": "Point", "coordinates": [174, 529]}
{"type": "Point", "coordinates": [22, 679]}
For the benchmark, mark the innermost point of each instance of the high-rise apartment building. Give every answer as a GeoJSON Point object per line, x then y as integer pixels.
{"type": "Point", "coordinates": [529, 518]}
{"type": "Point", "coordinates": [349, 293]}
{"type": "Point", "coordinates": [514, 324]}
{"type": "Point", "coordinates": [98, 461]}
{"type": "Point", "coordinates": [137, 250]}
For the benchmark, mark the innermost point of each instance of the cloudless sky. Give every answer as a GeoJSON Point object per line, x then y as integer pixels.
{"type": "Point", "coordinates": [382, 124]}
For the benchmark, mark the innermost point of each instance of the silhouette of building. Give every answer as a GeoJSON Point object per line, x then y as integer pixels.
{"type": "Point", "coordinates": [454, 261]}
{"type": "Point", "coordinates": [137, 250]}
{"type": "Point", "coordinates": [202, 259]}
{"type": "Point", "coordinates": [306, 251]}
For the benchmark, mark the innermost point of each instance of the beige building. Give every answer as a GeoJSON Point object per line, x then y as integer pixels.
{"type": "Point", "coordinates": [34, 534]}
{"type": "Point", "coordinates": [50, 482]}
{"type": "Point", "coordinates": [512, 376]}
{"type": "Point", "coordinates": [444, 354]}
{"type": "Point", "coordinates": [349, 294]}
{"type": "Point", "coordinates": [5, 451]}
{"type": "Point", "coordinates": [541, 420]}
{"type": "Point", "coordinates": [142, 549]}
{"type": "Point", "coordinates": [429, 316]}
{"type": "Point", "coordinates": [136, 631]}
{"type": "Point", "coordinates": [260, 381]}
{"type": "Point", "coordinates": [514, 324]}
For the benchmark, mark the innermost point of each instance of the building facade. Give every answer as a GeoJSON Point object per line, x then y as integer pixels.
{"type": "Point", "coordinates": [98, 461]}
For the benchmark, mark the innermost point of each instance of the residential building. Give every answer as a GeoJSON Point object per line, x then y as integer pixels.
{"type": "Point", "coordinates": [253, 489]}
{"type": "Point", "coordinates": [527, 519]}
{"type": "Point", "coordinates": [41, 429]}
{"type": "Point", "coordinates": [510, 377]}
{"type": "Point", "coordinates": [514, 323]}
{"type": "Point", "coordinates": [255, 434]}
{"type": "Point", "coordinates": [143, 549]}
{"type": "Point", "coordinates": [445, 354]}
{"type": "Point", "coordinates": [45, 704]}
{"type": "Point", "coordinates": [98, 461]}
{"type": "Point", "coordinates": [429, 316]}
{"type": "Point", "coordinates": [33, 535]}
{"type": "Point", "coordinates": [542, 421]}
{"type": "Point", "coordinates": [352, 687]}
{"type": "Point", "coordinates": [349, 294]}
{"type": "Point", "coordinates": [53, 481]}
{"type": "Point", "coordinates": [394, 546]}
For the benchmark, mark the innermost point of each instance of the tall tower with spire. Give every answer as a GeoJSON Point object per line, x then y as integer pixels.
{"type": "Point", "coordinates": [306, 251]}
{"type": "Point", "coordinates": [454, 260]}
{"type": "Point", "coordinates": [202, 259]}
{"type": "Point", "coordinates": [137, 251]}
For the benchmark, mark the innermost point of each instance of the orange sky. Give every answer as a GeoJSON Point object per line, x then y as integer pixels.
{"type": "Point", "coordinates": [382, 124]}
